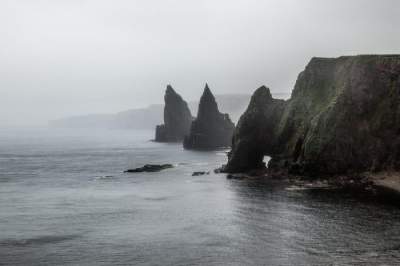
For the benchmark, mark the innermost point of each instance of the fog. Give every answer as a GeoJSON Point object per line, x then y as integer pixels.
{"type": "Point", "coordinates": [71, 57]}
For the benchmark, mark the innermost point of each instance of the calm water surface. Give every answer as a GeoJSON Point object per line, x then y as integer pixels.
{"type": "Point", "coordinates": [65, 201]}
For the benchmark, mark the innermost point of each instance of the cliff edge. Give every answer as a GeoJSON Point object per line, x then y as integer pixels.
{"type": "Point", "coordinates": [343, 116]}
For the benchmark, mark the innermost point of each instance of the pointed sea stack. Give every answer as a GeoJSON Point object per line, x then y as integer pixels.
{"type": "Point", "coordinates": [177, 118]}
{"type": "Point", "coordinates": [211, 129]}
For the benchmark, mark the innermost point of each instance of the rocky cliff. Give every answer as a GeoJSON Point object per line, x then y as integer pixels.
{"type": "Point", "coordinates": [177, 118]}
{"type": "Point", "coordinates": [343, 116]}
{"type": "Point", "coordinates": [254, 134]}
{"type": "Point", "coordinates": [211, 129]}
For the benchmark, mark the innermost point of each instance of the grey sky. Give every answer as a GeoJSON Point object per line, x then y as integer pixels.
{"type": "Point", "coordinates": [69, 57]}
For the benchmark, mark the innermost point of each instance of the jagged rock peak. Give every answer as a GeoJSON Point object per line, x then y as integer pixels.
{"type": "Point", "coordinates": [169, 89]}
{"type": "Point", "coordinates": [207, 105]}
{"type": "Point", "coordinates": [207, 91]}
{"type": "Point", "coordinates": [177, 118]}
{"type": "Point", "coordinates": [172, 97]}
{"type": "Point", "coordinates": [261, 96]}
{"type": "Point", "coordinates": [211, 129]}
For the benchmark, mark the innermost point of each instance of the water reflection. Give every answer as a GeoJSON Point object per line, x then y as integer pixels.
{"type": "Point", "coordinates": [65, 201]}
{"type": "Point", "coordinates": [281, 227]}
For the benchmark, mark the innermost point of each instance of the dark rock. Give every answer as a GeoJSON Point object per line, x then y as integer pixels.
{"type": "Point", "coordinates": [343, 117]}
{"type": "Point", "coordinates": [242, 176]}
{"type": "Point", "coordinates": [236, 176]}
{"type": "Point", "coordinates": [150, 168]}
{"type": "Point", "coordinates": [177, 118]}
{"type": "Point", "coordinates": [219, 170]}
{"type": "Point", "coordinates": [211, 129]}
{"type": "Point", "coordinates": [254, 133]}
{"type": "Point", "coordinates": [200, 173]}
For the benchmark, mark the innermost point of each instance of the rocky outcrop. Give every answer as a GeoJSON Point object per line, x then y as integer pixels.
{"type": "Point", "coordinates": [343, 116]}
{"type": "Point", "coordinates": [199, 173]}
{"type": "Point", "coordinates": [254, 133]}
{"type": "Point", "coordinates": [150, 168]}
{"type": "Point", "coordinates": [211, 129]}
{"type": "Point", "coordinates": [177, 118]}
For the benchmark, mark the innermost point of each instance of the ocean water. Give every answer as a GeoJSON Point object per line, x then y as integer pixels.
{"type": "Point", "coordinates": [64, 200]}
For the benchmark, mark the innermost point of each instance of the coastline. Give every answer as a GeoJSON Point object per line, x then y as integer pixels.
{"type": "Point", "coordinates": [381, 184]}
{"type": "Point", "coordinates": [387, 183]}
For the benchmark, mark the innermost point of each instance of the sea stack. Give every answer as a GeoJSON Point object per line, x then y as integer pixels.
{"type": "Point", "coordinates": [177, 118]}
{"type": "Point", "coordinates": [343, 117]}
{"type": "Point", "coordinates": [211, 129]}
{"type": "Point", "coordinates": [254, 132]}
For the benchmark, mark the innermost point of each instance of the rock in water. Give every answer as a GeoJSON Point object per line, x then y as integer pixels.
{"type": "Point", "coordinates": [211, 129]}
{"type": "Point", "coordinates": [198, 173]}
{"type": "Point", "coordinates": [177, 118]}
{"type": "Point", "coordinates": [343, 116]}
{"type": "Point", "coordinates": [254, 132]}
{"type": "Point", "coordinates": [149, 168]}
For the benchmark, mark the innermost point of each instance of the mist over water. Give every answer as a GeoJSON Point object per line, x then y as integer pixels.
{"type": "Point", "coordinates": [101, 64]}
{"type": "Point", "coordinates": [65, 201]}
{"type": "Point", "coordinates": [66, 58]}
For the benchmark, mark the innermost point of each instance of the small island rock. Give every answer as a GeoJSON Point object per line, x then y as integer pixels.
{"type": "Point", "coordinates": [150, 168]}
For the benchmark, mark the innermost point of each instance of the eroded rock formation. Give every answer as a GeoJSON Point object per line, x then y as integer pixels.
{"type": "Point", "coordinates": [254, 133]}
{"type": "Point", "coordinates": [343, 116]}
{"type": "Point", "coordinates": [177, 118]}
{"type": "Point", "coordinates": [211, 129]}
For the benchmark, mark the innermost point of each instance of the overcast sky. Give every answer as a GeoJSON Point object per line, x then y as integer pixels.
{"type": "Point", "coordinates": [67, 57]}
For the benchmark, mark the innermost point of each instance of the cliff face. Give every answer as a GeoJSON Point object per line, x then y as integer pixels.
{"type": "Point", "coordinates": [177, 118]}
{"type": "Point", "coordinates": [211, 129]}
{"type": "Point", "coordinates": [343, 116]}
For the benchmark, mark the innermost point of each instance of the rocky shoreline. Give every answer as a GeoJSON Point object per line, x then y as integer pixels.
{"type": "Point", "coordinates": [386, 182]}
{"type": "Point", "coordinates": [149, 168]}
{"type": "Point", "coordinates": [385, 185]}
{"type": "Point", "coordinates": [339, 130]}
{"type": "Point", "coordinates": [343, 117]}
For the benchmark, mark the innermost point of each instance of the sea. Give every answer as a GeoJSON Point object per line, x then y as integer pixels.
{"type": "Point", "coordinates": [65, 200]}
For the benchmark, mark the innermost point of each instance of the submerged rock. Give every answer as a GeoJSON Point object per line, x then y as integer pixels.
{"type": "Point", "coordinates": [200, 173]}
{"type": "Point", "coordinates": [343, 116]}
{"type": "Point", "coordinates": [177, 118]}
{"type": "Point", "coordinates": [211, 129]}
{"type": "Point", "coordinates": [150, 168]}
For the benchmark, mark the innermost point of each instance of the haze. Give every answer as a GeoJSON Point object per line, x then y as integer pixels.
{"type": "Point", "coordinates": [62, 58]}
